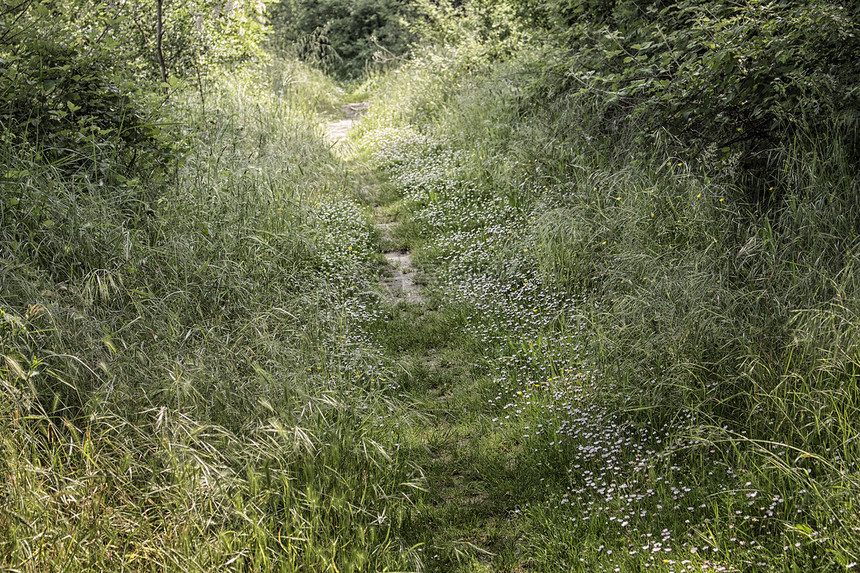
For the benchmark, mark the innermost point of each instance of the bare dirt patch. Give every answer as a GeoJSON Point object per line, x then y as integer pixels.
{"type": "Point", "coordinates": [401, 283]}
{"type": "Point", "coordinates": [335, 131]}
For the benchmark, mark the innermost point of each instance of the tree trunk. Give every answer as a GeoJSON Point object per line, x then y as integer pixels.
{"type": "Point", "coordinates": [159, 34]}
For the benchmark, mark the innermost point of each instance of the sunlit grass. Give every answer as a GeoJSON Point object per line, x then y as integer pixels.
{"type": "Point", "coordinates": [645, 338]}
{"type": "Point", "coordinates": [200, 389]}
{"type": "Point", "coordinates": [620, 364]}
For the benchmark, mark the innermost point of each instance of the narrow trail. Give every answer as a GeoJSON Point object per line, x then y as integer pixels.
{"type": "Point", "coordinates": [472, 481]}
{"type": "Point", "coordinates": [466, 518]}
{"type": "Point", "coordinates": [401, 284]}
{"type": "Point", "coordinates": [335, 131]}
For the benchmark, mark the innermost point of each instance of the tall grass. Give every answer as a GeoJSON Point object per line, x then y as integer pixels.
{"type": "Point", "coordinates": [187, 380]}
{"type": "Point", "coordinates": [639, 308]}
{"type": "Point", "coordinates": [623, 363]}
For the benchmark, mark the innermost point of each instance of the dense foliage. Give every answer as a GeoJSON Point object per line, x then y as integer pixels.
{"type": "Point", "coordinates": [345, 37]}
{"type": "Point", "coordinates": [735, 79]}
{"type": "Point", "coordinates": [82, 82]}
{"type": "Point", "coordinates": [638, 344]}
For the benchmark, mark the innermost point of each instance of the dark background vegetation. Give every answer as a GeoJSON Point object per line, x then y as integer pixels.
{"type": "Point", "coordinates": [739, 79]}
{"type": "Point", "coordinates": [346, 37]}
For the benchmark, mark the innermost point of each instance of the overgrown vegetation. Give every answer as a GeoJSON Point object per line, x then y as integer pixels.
{"type": "Point", "coordinates": [737, 80]}
{"type": "Point", "coordinates": [638, 347]}
{"type": "Point", "coordinates": [187, 378]}
{"type": "Point", "coordinates": [673, 347]}
{"type": "Point", "coordinates": [347, 38]}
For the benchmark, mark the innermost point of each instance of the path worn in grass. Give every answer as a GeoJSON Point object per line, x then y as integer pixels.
{"type": "Point", "coordinates": [401, 284]}
{"type": "Point", "coordinates": [468, 516]}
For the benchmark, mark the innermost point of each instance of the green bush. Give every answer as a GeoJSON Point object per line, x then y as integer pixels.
{"type": "Point", "coordinates": [345, 37]}
{"type": "Point", "coordinates": [737, 79]}
{"type": "Point", "coordinates": [80, 115]}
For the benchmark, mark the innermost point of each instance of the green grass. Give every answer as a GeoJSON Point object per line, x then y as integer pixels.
{"type": "Point", "coordinates": [619, 363]}
{"type": "Point", "coordinates": [192, 385]}
{"type": "Point", "coordinates": [670, 369]}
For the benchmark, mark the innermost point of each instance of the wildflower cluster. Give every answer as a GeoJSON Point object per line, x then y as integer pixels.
{"type": "Point", "coordinates": [621, 485]}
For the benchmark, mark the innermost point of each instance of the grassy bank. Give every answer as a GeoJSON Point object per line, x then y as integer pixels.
{"type": "Point", "coordinates": [668, 368]}
{"type": "Point", "coordinates": [189, 382]}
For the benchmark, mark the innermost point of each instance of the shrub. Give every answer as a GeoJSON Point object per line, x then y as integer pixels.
{"type": "Point", "coordinates": [741, 79]}
{"type": "Point", "coordinates": [343, 36]}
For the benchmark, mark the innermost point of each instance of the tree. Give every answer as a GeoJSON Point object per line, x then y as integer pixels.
{"type": "Point", "coordinates": [343, 36]}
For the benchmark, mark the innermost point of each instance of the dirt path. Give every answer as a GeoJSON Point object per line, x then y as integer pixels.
{"type": "Point", "coordinates": [401, 283]}
{"type": "Point", "coordinates": [336, 131]}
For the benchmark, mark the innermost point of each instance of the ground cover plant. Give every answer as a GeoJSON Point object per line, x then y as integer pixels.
{"type": "Point", "coordinates": [636, 348]}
